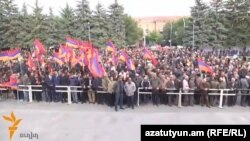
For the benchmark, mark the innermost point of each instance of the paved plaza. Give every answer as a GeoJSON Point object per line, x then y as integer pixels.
{"type": "Point", "coordinates": [89, 122]}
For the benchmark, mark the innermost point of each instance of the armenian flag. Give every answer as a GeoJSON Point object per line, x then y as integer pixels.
{"type": "Point", "coordinates": [31, 63]}
{"type": "Point", "coordinates": [130, 64]}
{"type": "Point", "coordinates": [13, 82]}
{"type": "Point", "coordinates": [110, 46]}
{"type": "Point", "coordinates": [95, 67]}
{"type": "Point", "coordinates": [72, 42]}
{"type": "Point", "coordinates": [149, 55]}
{"type": "Point", "coordinates": [58, 60]}
{"type": "Point", "coordinates": [204, 67]}
{"type": "Point", "coordinates": [10, 54]}
{"type": "Point", "coordinates": [123, 56]}
{"type": "Point", "coordinates": [39, 48]}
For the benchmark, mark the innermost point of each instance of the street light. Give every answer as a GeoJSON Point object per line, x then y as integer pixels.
{"type": "Point", "coordinates": [193, 33]}
{"type": "Point", "coordinates": [89, 30]}
{"type": "Point", "coordinates": [184, 22]}
{"type": "Point", "coordinates": [145, 32]}
{"type": "Point", "coordinates": [170, 43]}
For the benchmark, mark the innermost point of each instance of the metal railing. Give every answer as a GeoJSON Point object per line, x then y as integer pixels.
{"type": "Point", "coordinates": [68, 90]}
{"type": "Point", "coordinates": [211, 92]}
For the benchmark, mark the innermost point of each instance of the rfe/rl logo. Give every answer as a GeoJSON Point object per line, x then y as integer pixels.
{"type": "Point", "coordinates": [15, 122]}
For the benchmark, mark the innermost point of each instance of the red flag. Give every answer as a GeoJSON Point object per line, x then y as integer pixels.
{"type": "Point", "coordinates": [31, 63]}
{"type": "Point", "coordinates": [39, 48]}
{"type": "Point", "coordinates": [13, 82]}
{"type": "Point", "coordinates": [149, 55]}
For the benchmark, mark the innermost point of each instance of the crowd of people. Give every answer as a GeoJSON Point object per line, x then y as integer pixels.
{"type": "Point", "coordinates": [176, 69]}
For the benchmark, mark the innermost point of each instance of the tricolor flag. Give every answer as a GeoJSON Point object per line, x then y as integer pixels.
{"type": "Point", "coordinates": [72, 42]}
{"type": "Point", "coordinates": [58, 60]}
{"type": "Point", "coordinates": [123, 56]}
{"type": "Point", "coordinates": [149, 55]}
{"type": "Point", "coordinates": [130, 64]}
{"type": "Point", "coordinates": [204, 67]}
{"type": "Point", "coordinates": [10, 54]}
{"type": "Point", "coordinates": [110, 47]}
{"type": "Point", "coordinates": [95, 67]}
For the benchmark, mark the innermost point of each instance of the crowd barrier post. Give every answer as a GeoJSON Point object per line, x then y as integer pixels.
{"type": "Point", "coordinates": [221, 98]}
{"type": "Point", "coordinates": [179, 99]}
{"type": "Point", "coordinates": [138, 97]}
{"type": "Point", "coordinates": [30, 94]}
{"type": "Point", "coordinates": [17, 95]}
{"type": "Point", "coordinates": [69, 95]}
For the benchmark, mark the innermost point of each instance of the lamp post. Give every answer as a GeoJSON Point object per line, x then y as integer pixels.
{"type": "Point", "coordinates": [193, 34]}
{"type": "Point", "coordinates": [89, 31]}
{"type": "Point", "coordinates": [171, 31]}
{"type": "Point", "coordinates": [145, 32]}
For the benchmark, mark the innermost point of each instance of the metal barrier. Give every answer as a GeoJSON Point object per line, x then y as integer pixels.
{"type": "Point", "coordinates": [216, 92]}
{"type": "Point", "coordinates": [212, 92]}
{"type": "Point", "coordinates": [3, 89]}
{"type": "Point", "coordinates": [29, 89]}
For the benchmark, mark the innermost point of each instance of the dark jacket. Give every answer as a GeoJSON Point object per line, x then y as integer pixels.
{"type": "Point", "coordinates": [244, 83]}
{"type": "Point", "coordinates": [85, 83]}
{"type": "Point", "coordinates": [145, 83]}
{"type": "Point", "coordinates": [57, 80]}
{"type": "Point", "coordinates": [32, 80]}
{"type": "Point", "coordinates": [64, 80]}
{"type": "Point", "coordinates": [49, 82]}
{"type": "Point", "coordinates": [96, 84]}
{"type": "Point", "coordinates": [73, 81]}
{"type": "Point", "coordinates": [119, 87]}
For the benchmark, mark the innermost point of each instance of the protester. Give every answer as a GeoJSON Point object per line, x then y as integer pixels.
{"type": "Point", "coordinates": [130, 89]}
{"type": "Point", "coordinates": [161, 73]}
{"type": "Point", "coordinates": [118, 88]}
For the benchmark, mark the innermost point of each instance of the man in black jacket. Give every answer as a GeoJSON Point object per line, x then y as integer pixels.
{"type": "Point", "coordinates": [49, 81]}
{"type": "Point", "coordinates": [85, 87]}
{"type": "Point", "coordinates": [118, 89]}
{"type": "Point", "coordinates": [64, 82]}
{"type": "Point", "coordinates": [97, 86]}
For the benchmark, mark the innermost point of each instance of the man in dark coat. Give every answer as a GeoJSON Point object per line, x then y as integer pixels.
{"type": "Point", "coordinates": [118, 88]}
{"type": "Point", "coordinates": [57, 81]}
{"type": "Point", "coordinates": [97, 86]}
{"type": "Point", "coordinates": [50, 87]}
{"type": "Point", "coordinates": [64, 82]}
{"type": "Point", "coordinates": [244, 85]}
{"type": "Point", "coordinates": [73, 81]}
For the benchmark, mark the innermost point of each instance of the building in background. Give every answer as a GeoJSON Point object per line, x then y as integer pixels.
{"type": "Point", "coordinates": [156, 24]}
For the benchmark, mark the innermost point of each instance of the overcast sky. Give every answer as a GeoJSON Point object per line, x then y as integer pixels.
{"type": "Point", "coordinates": [135, 8]}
